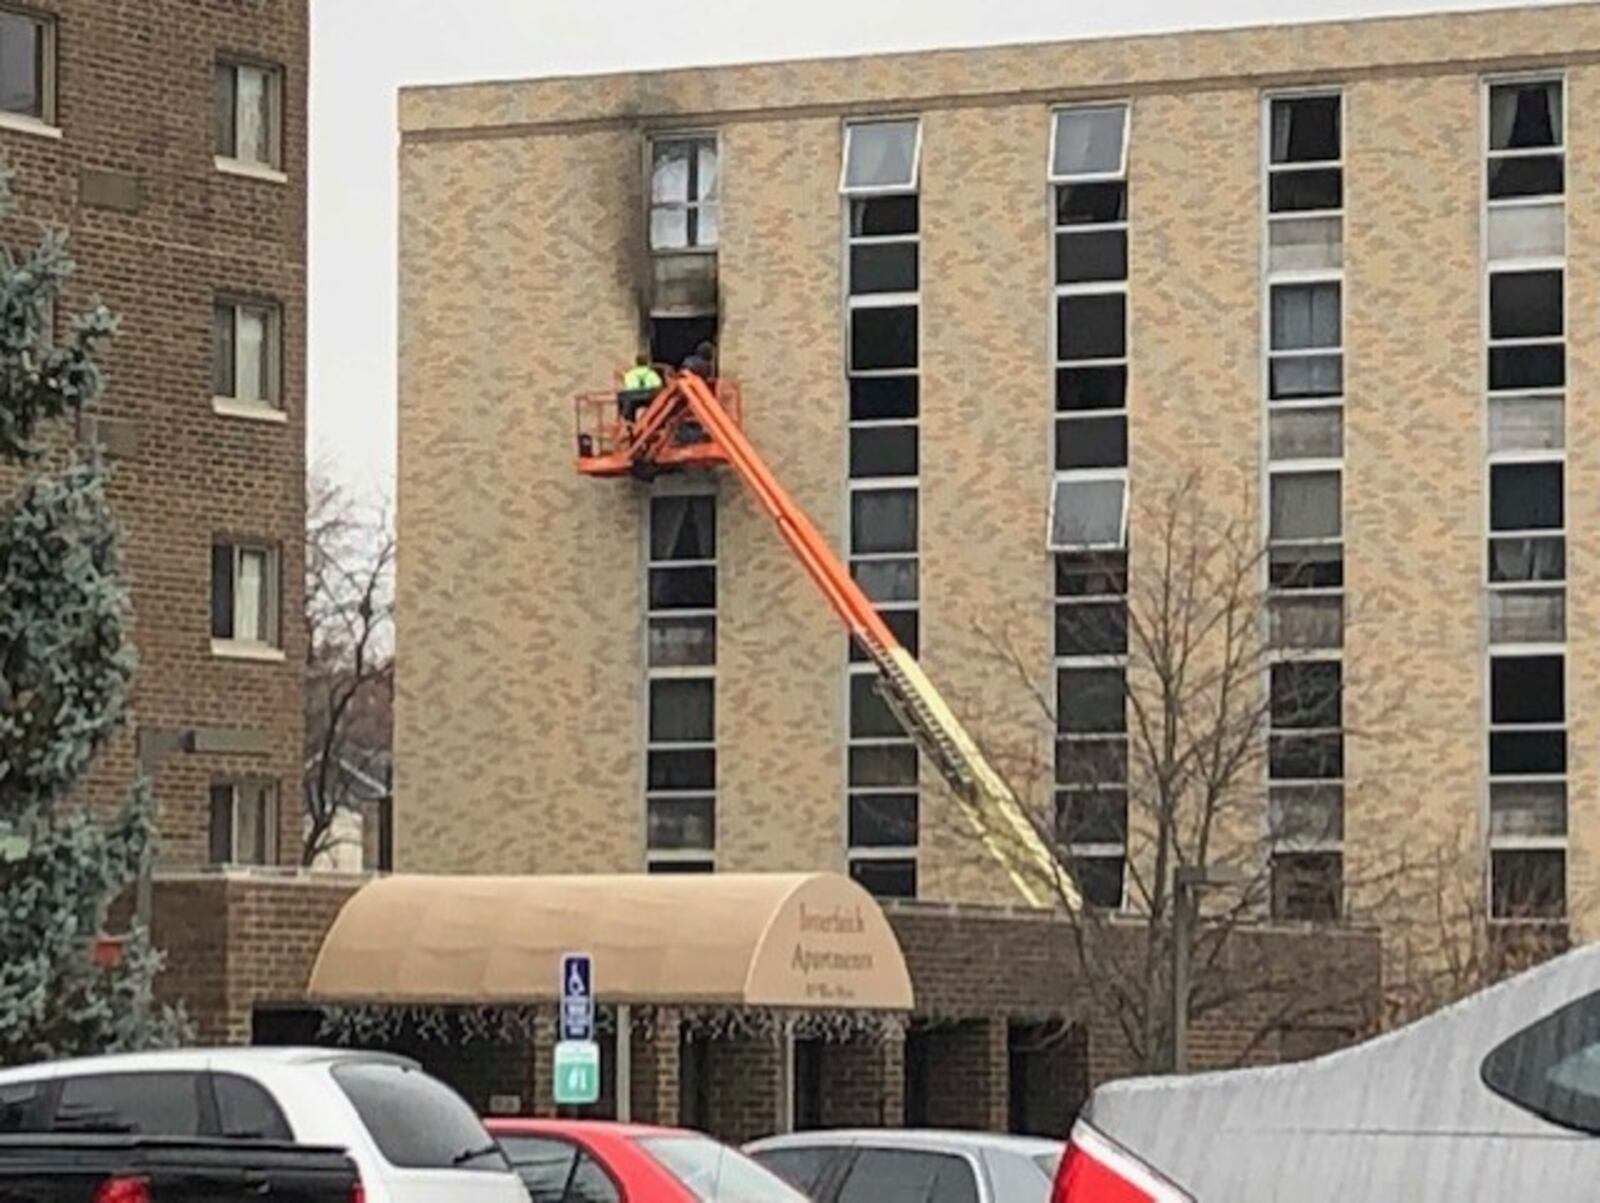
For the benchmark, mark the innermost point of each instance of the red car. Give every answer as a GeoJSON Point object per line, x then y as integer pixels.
{"type": "Point", "coordinates": [581, 1161]}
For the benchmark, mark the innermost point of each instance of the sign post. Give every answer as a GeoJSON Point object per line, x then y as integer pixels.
{"type": "Point", "coordinates": [577, 1061]}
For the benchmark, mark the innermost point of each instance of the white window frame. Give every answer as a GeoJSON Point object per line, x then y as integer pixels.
{"type": "Point", "coordinates": [690, 206]}
{"type": "Point", "coordinates": [273, 814]}
{"type": "Point", "coordinates": [1094, 851]}
{"type": "Point", "coordinates": [45, 123]}
{"type": "Point", "coordinates": [911, 187]}
{"type": "Point", "coordinates": [1088, 177]}
{"type": "Point", "coordinates": [272, 169]}
{"type": "Point", "coordinates": [1272, 169]}
{"type": "Point", "coordinates": [270, 408]}
{"type": "Point", "coordinates": [1087, 476]}
{"type": "Point", "coordinates": [1491, 156]}
{"type": "Point", "coordinates": [236, 647]}
{"type": "Point", "coordinates": [1547, 843]}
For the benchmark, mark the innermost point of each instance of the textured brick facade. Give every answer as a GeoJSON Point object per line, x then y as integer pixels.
{"type": "Point", "coordinates": [134, 97]}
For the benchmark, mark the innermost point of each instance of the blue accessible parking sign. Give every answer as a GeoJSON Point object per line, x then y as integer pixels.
{"type": "Point", "coordinates": [577, 997]}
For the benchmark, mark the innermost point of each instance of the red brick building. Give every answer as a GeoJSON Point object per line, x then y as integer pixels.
{"type": "Point", "coordinates": [169, 138]}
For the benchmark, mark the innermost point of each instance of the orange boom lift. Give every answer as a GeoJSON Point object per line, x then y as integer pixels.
{"type": "Point", "coordinates": [690, 424]}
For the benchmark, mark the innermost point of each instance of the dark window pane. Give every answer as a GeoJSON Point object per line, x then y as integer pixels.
{"type": "Point", "coordinates": [227, 85]}
{"type": "Point", "coordinates": [682, 711]}
{"type": "Point", "coordinates": [1302, 191]}
{"type": "Point", "coordinates": [1091, 204]}
{"type": "Point", "coordinates": [883, 821]}
{"type": "Point", "coordinates": [221, 591]}
{"type": "Point", "coordinates": [1091, 255]}
{"type": "Point", "coordinates": [870, 716]}
{"type": "Point", "coordinates": [683, 528]}
{"type": "Point", "coordinates": [140, 1104]}
{"type": "Point", "coordinates": [682, 769]}
{"type": "Point", "coordinates": [882, 339]}
{"type": "Point", "coordinates": [1536, 175]}
{"type": "Point", "coordinates": [1526, 304]}
{"type": "Point", "coordinates": [878, 398]}
{"type": "Point", "coordinates": [883, 520]}
{"type": "Point", "coordinates": [1307, 757]}
{"type": "Point", "coordinates": [1092, 816]}
{"type": "Point", "coordinates": [1295, 377]}
{"type": "Point", "coordinates": [1528, 559]}
{"type": "Point", "coordinates": [543, 1165]}
{"type": "Point", "coordinates": [802, 1169]}
{"type": "Point", "coordinates": [416, 1121]}
{"type": "Point", "coordinates": [1305, 693]}
{"type": "Point", "coordinates": [1305, 316]}
{"type": "Point", "coordinates": [683, 588]}
{"type": "Point", "coordinates": [1092, 630]}
{"type": "Point", "coordinates": [21, 65]}
{"type": "Point", "coordinates": [1090, 701]}
{"type": "Point", "coordinates": [1526, 496]}
{"type": "Point", "coordinates": [246, 1111]}
{"type": "Point", "coordinates": [904, 625]}
{"type": "Point", "coordinates": [1099, 880]}
{"type": "Point", "coordinates": [882, 216]}
{"type": "Point", "coordinates": [883, 451]}
{"type": "Point", "coordinates": [1527, 689]}
{"type": "Point", "coordinates": [1530, 884]}
{"type": "Point", "coordinates": [679, 868]}
{"type": "Point", "coordinates": [1305, 129]}
{"type": "Point", "coordinates": [1525, 753]}
{"type": "Point", "coordinates": [680, 824]}
{"type": "Point", "coordinates": [1525, 115]}
{"type": "Point", "coordinates": [886, 580]}
{"type": "Point", "coordinates": [1092, 443]}
{"type": "Point", "coordinates": [222, 351]}
{"type": "Point", "coordinates": [1538, 365]}
{"type": "Point", "coordinates": [1307, 567]}
{"type": "Point", "coordinates": [1085, 574]}
{"type": "Point", "coordinates": [1091, 762]}
{"type": "Point", "coordinates": [221, 841]}
{"type": "Point", "coordinates": [1308, 886]}
{"type": "Point", "coordinates": [1092, 327]}
{"type": "Point", "coordinates": [883, 267]}
{"type": "Point", "coordinates": [884, 766]}
{"type": "Point", "coordinates": [1104, 386]}
{"type": "Point", "coordinates": [20, 1107]}
{"type": "Point", "coordinates": [886, 878]}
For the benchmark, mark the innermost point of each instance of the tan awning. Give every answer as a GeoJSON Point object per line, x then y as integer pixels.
{"type": "Point", "coordinates": [812, 941]}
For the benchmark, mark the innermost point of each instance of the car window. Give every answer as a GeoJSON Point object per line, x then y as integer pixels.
{"type": "Point", "coordinates": [590, 1184]}
{"type": "Point", "coordinates": [147, 1104]}
{"type": "Point", "coordinates": [802, 1168]}
{"type": "Point", "coordinates": [1018, 1176]}
{"type": "Point", "coordinates": [909, 1176]}
{"type": "Point", "coordinates": [417, 1122]}
{"type": "Point", "coordinates": [544, 1165]}
{"type": "Point", "coordinates": [19, 1108]}
{"type": "Point", "coordinates": [1552, 1067]}
{"type": "Point", "coordinates": [714, 1173]}
{"type": "Point", "coordinates": [246, 1111]}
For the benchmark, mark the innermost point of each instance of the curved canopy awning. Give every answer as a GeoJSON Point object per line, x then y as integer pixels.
{"type": "Point", "coordinates": [815, 941]}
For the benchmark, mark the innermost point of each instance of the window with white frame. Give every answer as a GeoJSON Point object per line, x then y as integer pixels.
{"type": "Point", "coordinates": [27, 65]}
{"type": "Point", "coordinates": [249, 108]}
{"type": "Point", "coordinates": [683, 192]}
{"type": "Point", "coordinates": [244, 594]}
{"type": "Point", "coordinates": [1525, 379]}
{"type": "Point", "coordinates": [878, 179]}
{"type": "Point", "coordinates": [680, 684]}
{"type": "Point", "coordinates": [246, 353]}
{"type": "Point", "coordinates": [1088, 510]}
{"type": "Point", "coordinates": [244, 823]}
{"type": "Point", "coordinates": [1303, 386]}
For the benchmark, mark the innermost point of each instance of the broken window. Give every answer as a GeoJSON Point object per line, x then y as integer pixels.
{"type": "Point", "coordinates": [881, 156]}
{"type": "Point", "coordinates": [683, 192]}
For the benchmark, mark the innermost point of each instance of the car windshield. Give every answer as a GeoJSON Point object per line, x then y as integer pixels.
{"type": "Point", "coordinates": [714, 1173]}
{"type": "Point", "coordinates": [1552, 1067]}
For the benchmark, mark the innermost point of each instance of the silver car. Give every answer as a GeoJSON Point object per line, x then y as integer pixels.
{"type": "Point", "coordinates": [884, 1166]}
{"type": "Point", "coordinates": [1497, 1097]}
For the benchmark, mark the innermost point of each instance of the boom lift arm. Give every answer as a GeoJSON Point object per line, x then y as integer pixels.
{"type": "Point", "coordinates": [662, 436]}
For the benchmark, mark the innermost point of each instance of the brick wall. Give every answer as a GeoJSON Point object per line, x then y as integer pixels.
{"type": "Point", "coordinates": [135, 97]}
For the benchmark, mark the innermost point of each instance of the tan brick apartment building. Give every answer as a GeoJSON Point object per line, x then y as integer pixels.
{"type": "Point", "coordinates": [169, 138]}
{"type": "Point", "coordinates": [976, 299]}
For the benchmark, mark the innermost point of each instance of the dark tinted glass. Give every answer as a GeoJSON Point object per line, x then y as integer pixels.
{"type": "Point", "coordinates": [683, 588]}
{"type": "Point", "coordinates": [1527, 689]}
{"type": "Point", "coordinates": [1540, 365]}
{"type": "Point", "coordinates": [20, 1108]}
{"type": "Point", "coordinates": [803, 1169]}
{"type": "Point", "coordinates": [1552, 1066]}
{"type": "Point", "coordinates": [883, 267]}
{"type": "Point", "coordinates": [1091, 761]}
{"type": "Point", "coordinates": [1307, 757]}
{"type": "Point", "coordinates": [682, 710]}
{"type": "Point", "coordinates": [246, 1111]}
{"type": "Point", "coordinates": [1523, 753]}
{"type": "Point", "coordinates": [145, 1104]}
{"type": "Point", "coordinates": [1304, 376]}
{"type": "Point", "coordinates": [682, 768]}
{"type": "Point", "coordinates": [1525, 304]}
{"type": "Point", "coordinates": [876, 398]}
{"type": "Point", "coordinates": [882, 339]}
{"type": "Point", "coordinates": [683, 528]}
{"type": "Point", "coordinates": [21, 64]}
{"type": "Point", "coordinates": [870, 716]}
{"type": "Point", "coordinates": [1525, 115]}
{"type": "Point", "coordinates": [882, 216]}
{"type": "Point", "coordinates": [904, 625]}
{"type": "Point", "coordinates": [895, 765]}
{"type": "Point", "coordinates": [417, 1122]}
{"type": "Point", "coordinates": [1528, 559]}
{"type": "Point", "coordinates": [590, 1183]}
{"type": "Point", "coordinates": [1092, 443]}
{"type": "Point", "coordinates": [226, 85]}
{"type": "Point", "coordinates": [1529, 884]}
{"type": "Point", "coordinates": [679, 868]}
{"type": "Point", "coordinates": [1535, 175]}
{"type": "Point", "coordinates": [1091, 255]}
{"type": "Point", "coordinates": [1103, 386]}
{"type": "Point", "coordinates": [1305, 129]}
{"type": "Point", "coordinates": [1092, 816]}
{"type": "Point", "coordinates": [1308, 886]}
{"type": "Point", "coordinates": [543, 1165]}
{"type": "Point", "coordinates": [883, 520]}
{"type": "Point", "coordinates": [908, 1176]}
{"type": "Point", "coordinates": [1092, 327]}
{"type": "Point", "coordinates": [1526, 497]}
{"type": "Point", "coordinates": [1091, 700]}
{"type": "Point", "coordinates": [1300, 191]}
{"type": "Point", "coordinates": [221, 591]}
{"type": "Point", "coordinates": [1090, 204]}
{"type": "Point", "coordinates": [1100, 629]}
{"type": "Point", "coordinates": [883, 451]}
{"type": "Point", "coordinates": [1306, 568]}
{"type": "Point", "coordinates": [883, 821]}
{"type": "Point", "coordinates": [1099, 879]}
{"type": "Point", "coordinates": [887, 580]}
{"type": "Point", "coordinates": [886, 878]}
{"type": "Point", "coordinates": [1305, 693]}
{"type": "Point", "coordinates": [1085, 574]}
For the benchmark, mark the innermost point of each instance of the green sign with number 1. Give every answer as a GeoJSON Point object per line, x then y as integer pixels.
{"type": "Point", "coordinates": [577, 1073]}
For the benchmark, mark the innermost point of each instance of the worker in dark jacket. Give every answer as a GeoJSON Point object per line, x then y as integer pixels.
{"type": "Point", "coordinates": [702, 362]}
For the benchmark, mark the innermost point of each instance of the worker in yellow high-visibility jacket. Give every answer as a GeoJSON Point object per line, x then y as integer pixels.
{"type": "Point", "coordinates": [639, 386]}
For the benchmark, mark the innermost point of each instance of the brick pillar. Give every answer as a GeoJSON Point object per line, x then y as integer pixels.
{"type": "Point", "coordinates": [542, 1056]}
{"type": "Point", "coordinates": [655, 1076]}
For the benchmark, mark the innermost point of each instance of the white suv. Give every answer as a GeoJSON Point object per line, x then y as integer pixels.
{"type": "Point", "coordinates": [412, 1137]}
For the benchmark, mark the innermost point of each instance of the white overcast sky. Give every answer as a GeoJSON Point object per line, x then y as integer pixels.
{"type": "Point", "coordinates": [364, 50]}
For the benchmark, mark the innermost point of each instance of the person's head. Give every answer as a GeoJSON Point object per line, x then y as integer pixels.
{"type": "Point", "coordinates": [641, 360]}
{"type": "Point", "coordinates": [706, 351]}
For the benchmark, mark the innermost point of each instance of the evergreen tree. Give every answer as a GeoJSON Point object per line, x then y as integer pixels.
{"type": "Point", "coordinates": [66, 666]}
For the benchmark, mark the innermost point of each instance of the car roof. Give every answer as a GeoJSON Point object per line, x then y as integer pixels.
{"type": "Point", "coordinates": [917, 1138]}
{"type": "Point", "coordinates": [170, 1060]}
